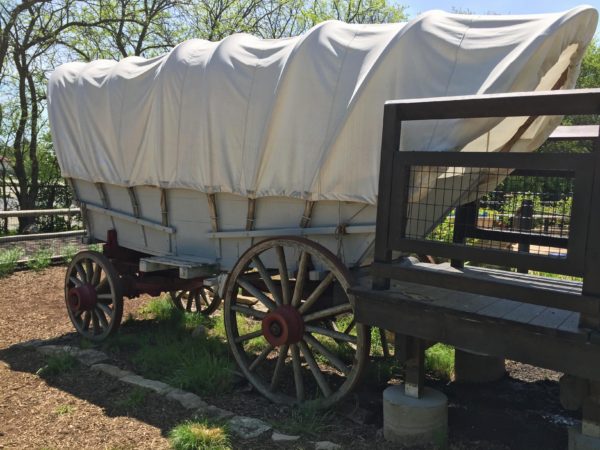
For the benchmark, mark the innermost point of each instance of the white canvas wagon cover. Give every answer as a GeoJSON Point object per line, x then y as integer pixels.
{"type": "Point", "coordinates": [302, 117]}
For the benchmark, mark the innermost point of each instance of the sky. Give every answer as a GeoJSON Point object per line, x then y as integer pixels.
{"type": "Point", "coordinates": [414, 7]}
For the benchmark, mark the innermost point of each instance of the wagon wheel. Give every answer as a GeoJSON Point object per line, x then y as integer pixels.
{"type": "Point", "coordinates": [284, 343]}
{"type": "Point", "coordinates": [93, 295]}
{"type": "Point", "coordinates": [201, 300]}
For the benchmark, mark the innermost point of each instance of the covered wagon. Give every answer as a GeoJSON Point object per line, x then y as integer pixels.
{"type": "Point", "coordinates": [247, 170]}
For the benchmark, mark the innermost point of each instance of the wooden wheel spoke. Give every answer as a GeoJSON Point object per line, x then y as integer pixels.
{"type": "Point", "coordinates": [105, 309]}
{"type": "Point", "coordinates": [316, 294]}
{"type": "Point", "coordinates": [96, 275]}
{"type": "Point", "coordinates": [283, 275]}
{"type": "Point", "coordinates": [314, 368]}
{"type": "Point", "coordinates": [297, 366]}
{"type": "Point", "coordinates": [260, 358]}
{"type": "Point", "coordinates": [87, 317]}
{"type": "Point", "coordinates": [190, 299]}
{"type": "Point", "coordinates": [332, 334]}
{"type": "Point", "coordinates": [350, 326]}
{"type": "Point", "coordinates": [204, 297]}
{"type": "Point", "coordinates": [267, 279]}
{"type": "Point", "coordinates": [105, 297]}
{"type": "Point", "coordinates": [89, 270]}
{"type": "Point", "coordinates": [335, 360]}
{"type": "Point", "coordinates": [299, 287]}
{"type": "Point", "coordinates": [248, 311]}
{"type": "Point", "coordinates": [257, 294]}
{"type": "Point", "coordinates": [198, 301]}
{"type": "Point", "coordinates": [248, 336]}
{"type": "Point", "coordinates": [101, 318]}
{"type": "Point", "coordinates": [81, 272]}
{"type": "Point", "coordinates": [76, 281]}
{"type": "Point", "coordinates": [283, 352]}
{"type": "Point", "coordinates": [103, 285]}
{"type": "Point", "coordinates": [329, 312]}
{"type": "Point", "coordinates": [95, 323]}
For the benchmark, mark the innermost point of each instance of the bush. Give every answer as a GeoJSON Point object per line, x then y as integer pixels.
{"type": "Point", "coordinates": [439, 361]}
{"type": "Point", "coordinates": [8, 260]}
{"type": "Point", "coordinates": [40, 259]}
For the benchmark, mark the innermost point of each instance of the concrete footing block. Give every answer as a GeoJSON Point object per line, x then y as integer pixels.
{"type": "Point", "coordinates": [580, 441]}
{"type": "Point", "coordinates": [415, 421]}
{"type": "Point", "coordinates": [472, 368]}
{"type": "Point", "coordinates": [573, 392]}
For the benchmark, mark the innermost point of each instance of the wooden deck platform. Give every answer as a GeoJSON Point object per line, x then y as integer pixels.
{"type": "Point", "coordinates": [540, 335]}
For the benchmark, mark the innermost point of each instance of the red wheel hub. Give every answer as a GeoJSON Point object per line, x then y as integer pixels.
{"type": "Point", "coordinates": [283, 326]}
{"type": "Point", "coordinates": [82, 298]}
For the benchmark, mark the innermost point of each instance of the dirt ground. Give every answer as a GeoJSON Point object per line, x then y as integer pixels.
{"type": "Point", "coordinates": [83, 409]}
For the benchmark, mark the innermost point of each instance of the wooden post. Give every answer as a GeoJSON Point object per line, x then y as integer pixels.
{"type": "Point", "coordinates": [414, 378]}
{"type": "Point", "coordinates": [525, 218]}
{"type": "Point", "coordinates": [465, 218]}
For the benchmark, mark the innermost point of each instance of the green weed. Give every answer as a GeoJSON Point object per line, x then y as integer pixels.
{"type": "Point", "coordinates": [40, 259]}
{"type": "Point", "coordinates": [61, 410]}
{"type": "Point", "coordinates": [58, 364]}
{"type": "Point", "coordinates": [439, 361]}
{"type": "Point", "coordinates": [306, 419]}
{"type": "Point", "coordinates": [135, 399]}
{"type": "Point", "coordinates": [9, 260]}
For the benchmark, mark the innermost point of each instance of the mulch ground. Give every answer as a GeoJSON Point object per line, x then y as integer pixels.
{"type": "Point", "coordinates": [82, 409]}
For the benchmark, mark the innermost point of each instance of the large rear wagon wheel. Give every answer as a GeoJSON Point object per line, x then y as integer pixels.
{"type": "Point", "coordinates": [298, 341]}
{"type": "Point", "coordinates": [93, 295]}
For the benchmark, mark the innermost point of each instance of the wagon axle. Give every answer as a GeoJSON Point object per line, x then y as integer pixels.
{"type": "Point", "coordinates": [283, 326]}
{"type": "Point", "coordinates": [83, 298]}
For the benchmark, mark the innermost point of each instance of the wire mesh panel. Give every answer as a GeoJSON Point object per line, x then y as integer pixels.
{"type": "Point", "coordinates": [506, 210]}
{"type": "Point", "coordinates": [515, 210]}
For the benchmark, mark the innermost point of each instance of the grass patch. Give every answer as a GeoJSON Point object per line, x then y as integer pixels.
{"type": "Point", "coordinates": [61, 410]}
{"type": "Point", "coordinates": [58, 364]}
{"type": "Point", "coordinates": [161, 347]}
{"type": "Point", "coordinates": [439, 361]}
{"type": "Point", "coordinates": [135, 399]}
{"type": "Point", "coordinates": [306, 420]}
{"type": "Point", "coordinates": [199, 436]}
{"type": "Point", "coordinates": [8, 260]}
{"type": "Point", "coordinates": [40, 259]}
{"type": "Point", "coordinates": [557, 276]}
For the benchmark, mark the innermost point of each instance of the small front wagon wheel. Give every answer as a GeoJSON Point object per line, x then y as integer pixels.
{"type": "Point", "coordinates": [93, 295]}
{"type": "Point", "coordinates": [203, 300]}
{"type": "Point", "coordinates": [298, 342]}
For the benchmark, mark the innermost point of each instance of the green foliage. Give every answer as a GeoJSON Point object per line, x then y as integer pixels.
{"type": "Point", "coordinates": [9, 259]}
{"type": "Point", "coordinates": [439, 361]}
{"type": "Point", "coordinates": [58, 364]}
{"type": "Point", "coordinates": [69, 252]}
{"type": "Point", "coordinates": [96, 247]}
{"type": "Point", "coordinates": [40, 260]}
{"type": "Point", "coordinates": [193, 435]}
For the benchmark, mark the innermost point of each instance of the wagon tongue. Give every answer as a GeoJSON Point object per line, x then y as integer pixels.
{"type": "Point", "coordinates": [82, 298]}
{"type": "Point", "coordinates": [282, 326]}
